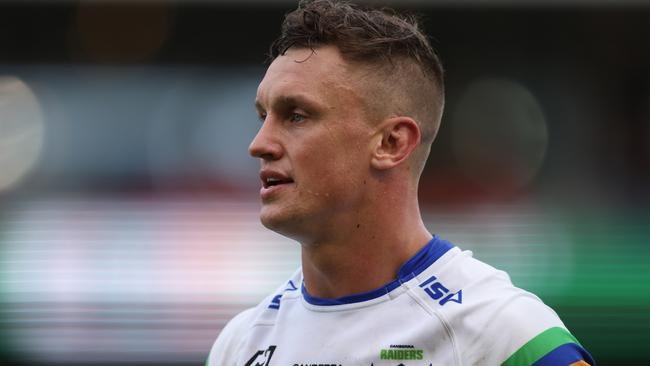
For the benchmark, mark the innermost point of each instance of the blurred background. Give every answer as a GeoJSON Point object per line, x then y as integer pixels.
{"type": "Point", "coordinates": [128, 203]}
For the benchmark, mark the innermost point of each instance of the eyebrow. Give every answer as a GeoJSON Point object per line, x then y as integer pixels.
{"type": "Point", "coordinates": [292, 99]}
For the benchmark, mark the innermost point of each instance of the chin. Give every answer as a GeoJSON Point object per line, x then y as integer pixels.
{"type": "Point", "coordinates": [289, 224]}
{"type": "Point", "coordinates": [274, 219]}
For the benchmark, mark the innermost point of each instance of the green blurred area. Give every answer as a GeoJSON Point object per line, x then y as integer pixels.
{"type": "Point", "coordinates": [603, 292]}
{"type": "Point", "coordinates": [608, 306]}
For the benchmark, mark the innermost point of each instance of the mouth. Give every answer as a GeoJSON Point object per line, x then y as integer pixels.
{"type": "Point", "coordinates": [274, 179]}
{"type": "Point", "coordinates": [272, 182]}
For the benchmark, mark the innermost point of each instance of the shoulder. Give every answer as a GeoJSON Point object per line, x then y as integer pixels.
{"type": "Point", "coordinates": [498, 323]}
{"type": "Point", "coordinates": [528, 332]}
{"type": "Point", "coordinates": [225, 350]}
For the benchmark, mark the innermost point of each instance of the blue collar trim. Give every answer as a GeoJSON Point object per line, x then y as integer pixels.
{"type": "Point", "coordinates": [425, 257]}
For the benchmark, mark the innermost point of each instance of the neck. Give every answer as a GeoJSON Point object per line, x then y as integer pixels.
{"type": "Point", "coordinates": [367, 250]}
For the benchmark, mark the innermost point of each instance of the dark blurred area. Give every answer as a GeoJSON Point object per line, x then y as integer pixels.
{"type": "Point", "coordinates": [128, 202]}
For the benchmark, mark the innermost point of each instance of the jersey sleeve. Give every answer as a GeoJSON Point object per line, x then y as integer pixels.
{"type": "Point", "coordinates": [529, 333]}
{"type": "Point", "coordinates": [554, 346]}
{"type": "Point", "coordinates": [226, 348]}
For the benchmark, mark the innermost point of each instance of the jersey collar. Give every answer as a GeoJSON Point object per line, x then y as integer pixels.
{"type": "Point", "coordinates": [424, 258]}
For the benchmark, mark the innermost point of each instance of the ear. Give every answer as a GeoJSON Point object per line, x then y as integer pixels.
{"type": "Point", "coordinates": [396, 140]}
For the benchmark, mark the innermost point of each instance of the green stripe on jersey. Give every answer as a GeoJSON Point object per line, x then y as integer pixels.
{"type": "Point", "coordinates": [537, 347]}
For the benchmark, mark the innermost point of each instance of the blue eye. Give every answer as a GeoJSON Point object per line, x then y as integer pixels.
{"type": "Point", "coordinates": [296, 118]}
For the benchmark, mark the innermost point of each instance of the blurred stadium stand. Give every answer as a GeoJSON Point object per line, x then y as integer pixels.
{"type": "Point", "coordinates": [128, 210]}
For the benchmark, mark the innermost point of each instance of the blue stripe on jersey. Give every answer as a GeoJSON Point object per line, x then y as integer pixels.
{"type": "Point", "coordinates": [565, 355]}
{"type": "Point", "coordinates": [425, 257]}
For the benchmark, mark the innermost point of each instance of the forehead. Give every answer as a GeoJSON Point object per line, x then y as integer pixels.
{"type": "Point", "coordinates": [321, 71]}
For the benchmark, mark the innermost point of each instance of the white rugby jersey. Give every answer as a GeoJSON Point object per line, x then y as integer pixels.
{"type": "Point", "coordinates": [444, 308]}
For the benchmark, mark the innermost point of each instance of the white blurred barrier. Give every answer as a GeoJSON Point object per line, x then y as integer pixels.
{"type": "Point", "coordinates": [119, 280]}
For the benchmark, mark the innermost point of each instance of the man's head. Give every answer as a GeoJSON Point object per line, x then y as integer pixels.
{"type": "Point", "coordinates": [402, 71]}
{"type": "Point", "coordinates": [351, 101]}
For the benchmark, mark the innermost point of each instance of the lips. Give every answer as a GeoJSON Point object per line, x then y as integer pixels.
{"type": "Point", "coordinates": [272, 182]}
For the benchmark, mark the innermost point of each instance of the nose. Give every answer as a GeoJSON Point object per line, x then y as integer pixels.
{"type": "Point", "coordinates": [266, 144]}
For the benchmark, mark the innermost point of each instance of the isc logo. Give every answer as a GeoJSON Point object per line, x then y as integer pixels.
{"type": "Point", "coordinates": [438, 291]}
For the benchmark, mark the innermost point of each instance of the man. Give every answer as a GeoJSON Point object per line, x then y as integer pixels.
{"type": "Point", "coordinates": [349, 108]}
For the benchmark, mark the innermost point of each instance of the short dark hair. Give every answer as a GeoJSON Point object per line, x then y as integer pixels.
{"type": "Point", "coordinates": [360, 34]}
{"type": "Point", "coordinates": [407, 71]}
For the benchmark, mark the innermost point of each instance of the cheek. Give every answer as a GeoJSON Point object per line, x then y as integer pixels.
{"type": "Point", "coordinates": [353, 154]}
{"type": "Point", "coordinates": [339, 167]}
{"type": "Point", "coordinates": [333, 157]}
